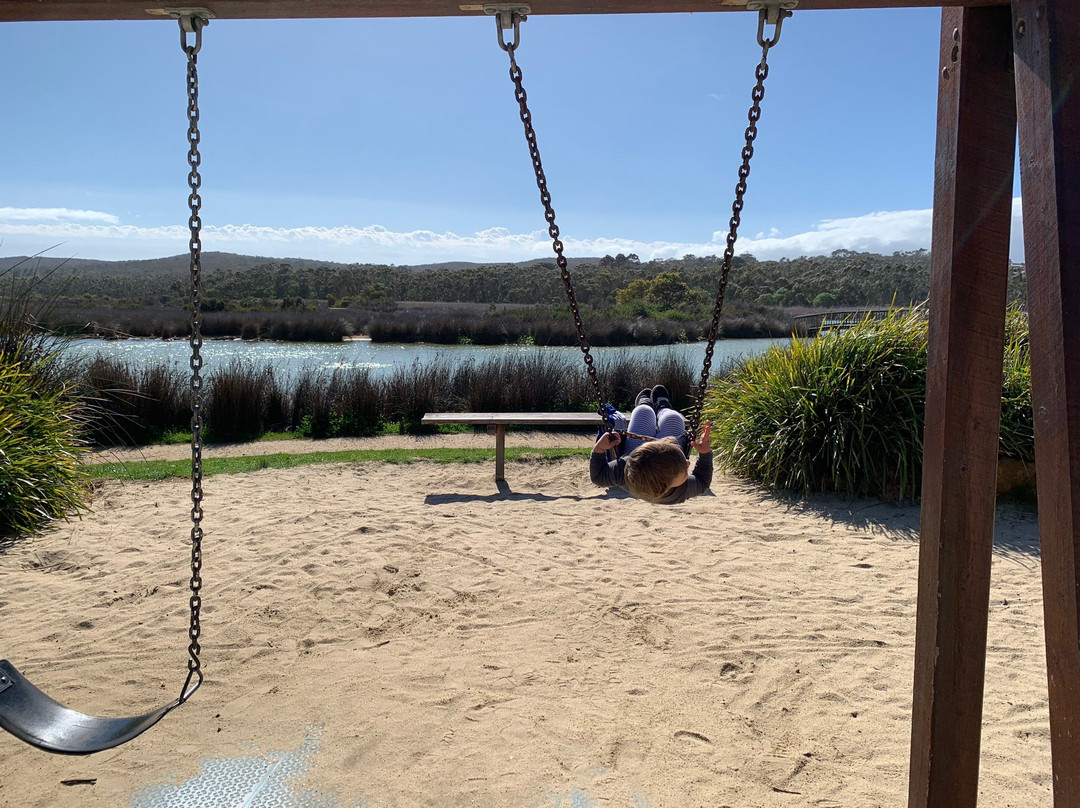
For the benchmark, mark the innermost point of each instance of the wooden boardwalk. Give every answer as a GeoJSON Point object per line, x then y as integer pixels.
{"type": "Point", "coordinates": [811, 324]}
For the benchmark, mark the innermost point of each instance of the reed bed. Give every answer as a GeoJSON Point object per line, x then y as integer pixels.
{"type": "Point", "coordinates": [453, 329]}
{"type": "Point", "coordinates": [132, 406]}
{"type": "Point", "coordinates": [244, 401]}
{"type": "Point", "coordinates": [442, 324]}
{"type": "Point", "coordinates": [320, 325]}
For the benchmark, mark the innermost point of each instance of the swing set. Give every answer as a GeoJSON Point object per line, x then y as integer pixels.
{"type": "Point", "coordinates": [1004, 65]}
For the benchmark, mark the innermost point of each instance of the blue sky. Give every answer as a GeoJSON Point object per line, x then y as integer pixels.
{"type": "Point", "coordinates": [398, 141]}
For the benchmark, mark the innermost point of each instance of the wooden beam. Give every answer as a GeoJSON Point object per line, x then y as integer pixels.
{"type": "Point", "coordinates": [1047, 46]}
{"type": "Point", "coordinates": [27, 10]}
{"type": "Point", "coordinates": [973, 184]}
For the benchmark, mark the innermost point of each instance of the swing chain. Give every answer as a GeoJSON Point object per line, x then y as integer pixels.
{"type": "Point", "coordinates": [516, 18]}
{"type": "Point", "coordinates": [754, 115]}
{"type": "Point", "coordinates": [194, 24]}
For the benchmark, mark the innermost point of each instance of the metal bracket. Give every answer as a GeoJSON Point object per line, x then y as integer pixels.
{"type": "Point", "coordinates": [506, 13]}
{"type": "Point", "coordinates": [203, 14]}
{"type": "Point", "coordinates": [772, 8]}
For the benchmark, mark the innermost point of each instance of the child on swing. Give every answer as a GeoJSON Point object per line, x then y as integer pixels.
{"type": "Point", "coordinates": [654, 470]}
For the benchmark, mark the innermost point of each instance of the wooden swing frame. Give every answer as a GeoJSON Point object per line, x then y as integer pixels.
{"type": "Point", "coordinates": [1005, 67]}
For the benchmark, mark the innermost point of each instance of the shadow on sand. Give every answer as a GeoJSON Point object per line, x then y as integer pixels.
{"type": "Point", "coordinates": [506, 494]}
{"type": "Point", "coordinates": [1016, 525]}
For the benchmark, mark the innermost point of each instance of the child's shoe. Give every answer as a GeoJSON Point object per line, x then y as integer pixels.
{"type": "Point", "coordinates": [660, 398]}
{"type": "Point", "coordinates": [644, 397]}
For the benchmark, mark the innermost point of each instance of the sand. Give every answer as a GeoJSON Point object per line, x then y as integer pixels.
{"type": "Point", "coordinates": [379, 635]}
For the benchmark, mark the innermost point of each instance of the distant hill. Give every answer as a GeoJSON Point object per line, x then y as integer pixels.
{"type": "Point", "coordinates": [215, 261]}
{"type": "Point", "coordinates": [152, 267]}
{"type": "Point", "coordinates": [256, 283]}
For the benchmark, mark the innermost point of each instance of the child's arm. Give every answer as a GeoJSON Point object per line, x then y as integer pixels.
{"type": "Point", "coordinates": [703, 468]}
{"type": "Point", "coordinates": [601, 472]}
{"type": "Point", "coordinates": [701, 478]}
{"type": "Point", "coordinates": [608, 440]}
{"type": "Point", "coordinates": [703, 444]}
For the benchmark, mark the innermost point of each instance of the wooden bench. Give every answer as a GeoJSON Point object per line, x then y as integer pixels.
{"type": "Point", "coordinates": [498, 421]}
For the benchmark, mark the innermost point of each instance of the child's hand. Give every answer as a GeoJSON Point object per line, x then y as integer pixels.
{"type": "Point", "coordinates": [702, 444]}
{"type": "Point", "coordinates": [609, 440]}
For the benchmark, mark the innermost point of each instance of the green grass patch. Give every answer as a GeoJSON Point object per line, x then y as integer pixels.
{"type": "Point", "coordinates": [164, 469]}
{"type": "Point", "coordinates": [269, 436]}
{"type": "Point", "coordinates": [174, 438]}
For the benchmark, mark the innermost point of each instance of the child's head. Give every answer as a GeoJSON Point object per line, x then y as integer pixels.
{"type": "Point", "coordinates": [655, 467]}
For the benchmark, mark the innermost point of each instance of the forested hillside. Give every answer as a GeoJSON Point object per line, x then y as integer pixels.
{"type": "Point", "coordinates": [232, 283]}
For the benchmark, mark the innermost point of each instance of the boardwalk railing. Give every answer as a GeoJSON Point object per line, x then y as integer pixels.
{"type": "Point", "coordinates": [810, 324]}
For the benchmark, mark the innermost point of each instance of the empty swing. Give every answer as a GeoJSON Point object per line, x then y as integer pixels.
{"type": "Point", "coordinates": [27, 712]}
{"type": "Point", "coordinates": [770, 12]}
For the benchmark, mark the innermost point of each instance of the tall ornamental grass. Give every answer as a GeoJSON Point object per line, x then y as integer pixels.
{"type": "Point", "coordinates": [841, 412]}
{"type": "Point", "coordinates": [41, 477]}
{"type": "Point", "coordinates": [1017, 438]}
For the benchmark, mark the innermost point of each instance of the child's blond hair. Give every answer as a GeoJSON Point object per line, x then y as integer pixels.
{"type": "Point", "coordinates": [653, 466]}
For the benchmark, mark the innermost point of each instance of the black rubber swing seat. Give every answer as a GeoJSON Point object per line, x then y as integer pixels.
{"type": "Point", "coordinates": [33, 717]}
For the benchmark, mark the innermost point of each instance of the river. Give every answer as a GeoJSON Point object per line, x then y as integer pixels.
{"type": "Point", "coordinates": [380, 358]}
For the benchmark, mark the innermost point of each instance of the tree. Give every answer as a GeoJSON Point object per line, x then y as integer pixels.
{"type": "Point", "coordinates": [668, 291]}
{"type": "Point", "coordinates": [636, 292]}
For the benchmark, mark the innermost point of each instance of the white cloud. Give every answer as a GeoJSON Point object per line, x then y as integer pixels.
{"type": "Point", "coordinates": [882, 232]}
{"type": "Point", "coordinates": [55, 215]}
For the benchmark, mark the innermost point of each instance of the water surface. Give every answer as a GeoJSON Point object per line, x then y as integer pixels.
{"type": "Point", "coordinates": [380, 358]}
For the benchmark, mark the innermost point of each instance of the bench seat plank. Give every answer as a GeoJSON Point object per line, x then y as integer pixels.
{"type": "Point", "coordinates": [514, 418]}
{"type": "Point", "coordinates": [498, 421]}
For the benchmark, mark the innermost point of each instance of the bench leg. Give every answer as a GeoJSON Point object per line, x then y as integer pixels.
{"type": "Point", "coordinates": [500, 452]}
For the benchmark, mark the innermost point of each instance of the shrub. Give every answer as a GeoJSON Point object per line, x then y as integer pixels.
{"type": "Point", "coordinates": [841, 412]}
{"type": "Point", "coordinates": [41, 476]}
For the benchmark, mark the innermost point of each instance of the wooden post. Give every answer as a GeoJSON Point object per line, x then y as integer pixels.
{"type": "Point", "coordinates": [500, 452]}
{"type": "Point", "coordinates": [973, 183]}
{"type": "Point", "coordinates": [1047, 44]}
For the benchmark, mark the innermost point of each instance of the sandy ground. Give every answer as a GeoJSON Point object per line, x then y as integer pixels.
{"type": "Point", "coordinates": [379, 635]}
{"type": "Point", "coordinates": [465, 440]}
